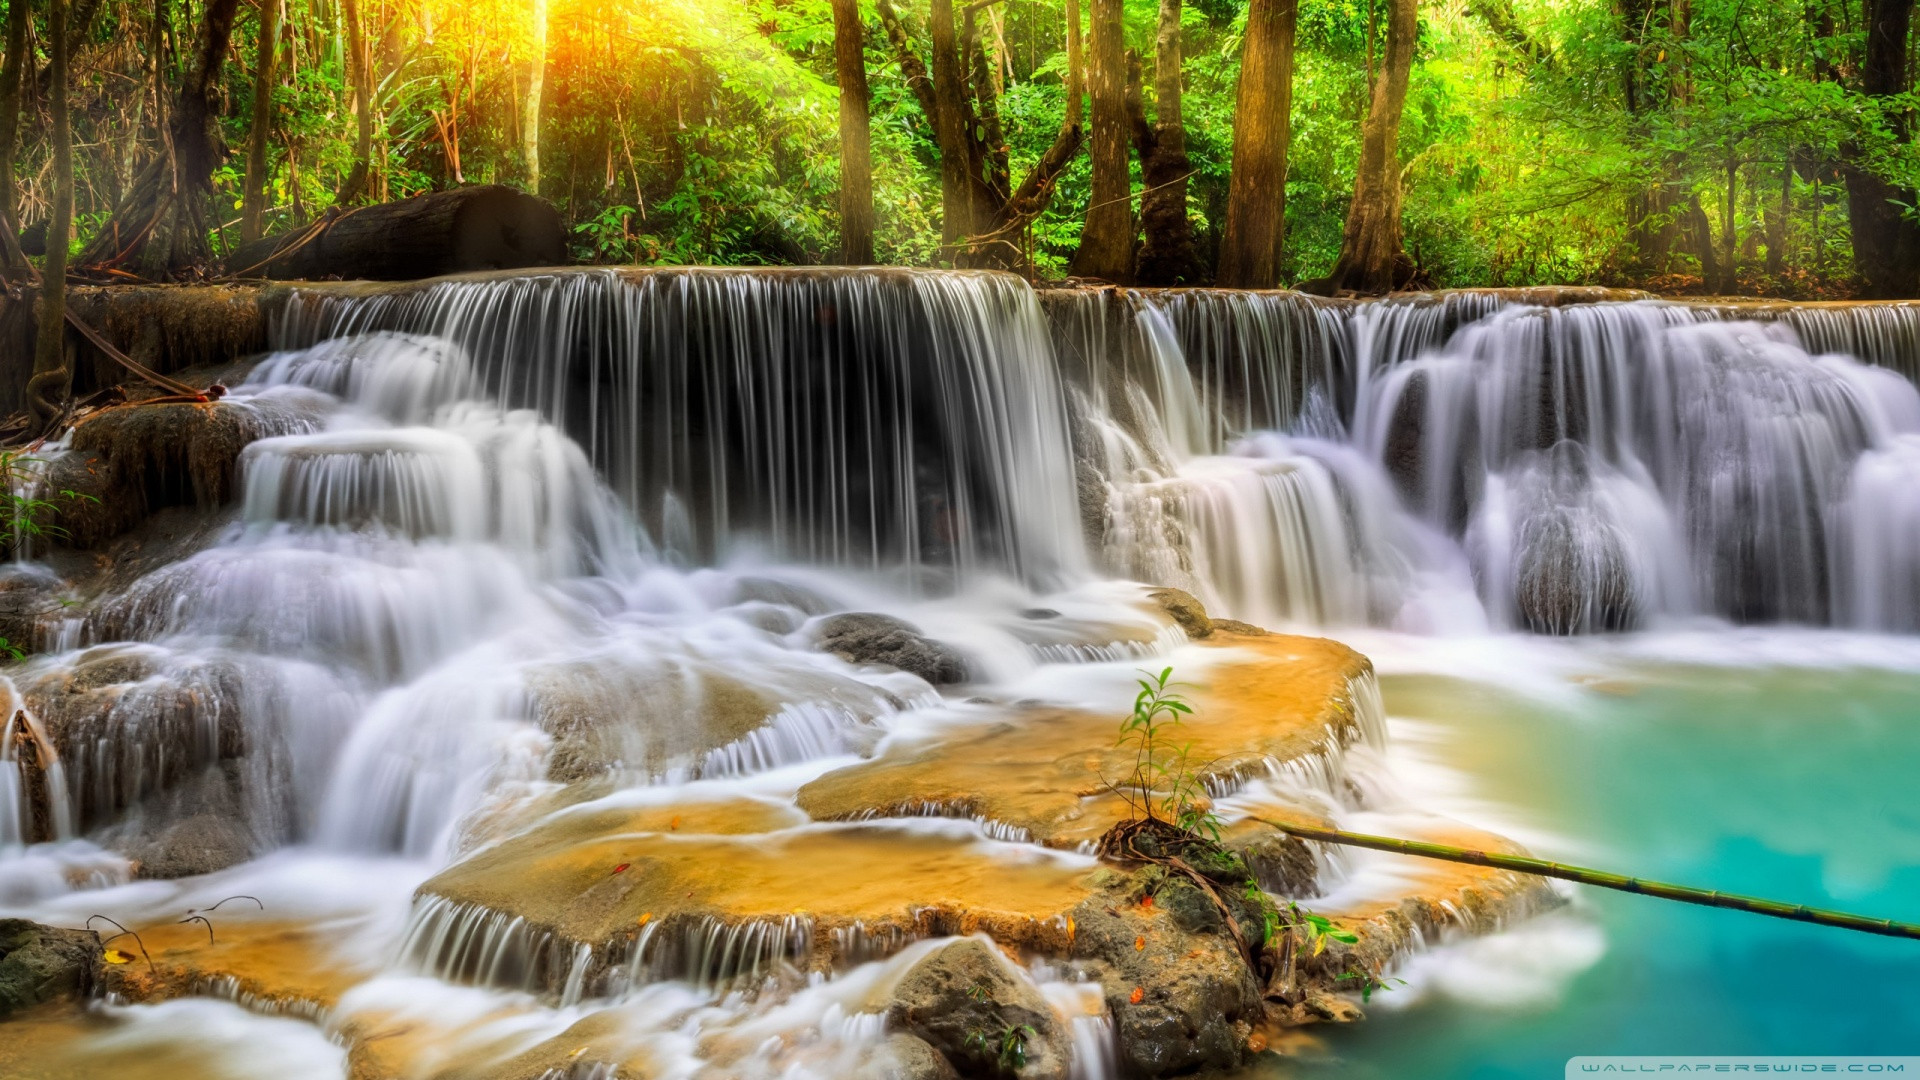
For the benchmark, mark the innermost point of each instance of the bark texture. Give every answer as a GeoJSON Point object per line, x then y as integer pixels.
{"type": "Point", "coordinates": [13, 262]}
{"type": "Point", "coordinates": [1886, 243]}
{"type": "Point", "coordinates": [984, 217]}
{"type": "Point", "coordinates": [1166, 249]}
{"type": "Point", "coordinates": [1373, 256]}
{"type": "Point", "coordinates": [52, 381]}
{"type": "Point", "coordinates": [856, 138]}
{"type": "Point", "coordinates": [253, 204]}
{"type": "Point", "coordinates": [1255, 238]}
{"type": "Point", "coordinates": [160, 227]}
{"type": "Point", "coordinates": [1106, 241]}
{"type": "Point", "coordinates": [360, 71]}
{"type": "Point", "coordinates": [445, 232]}
{"type": "Point", "coordinates": [536, 85]}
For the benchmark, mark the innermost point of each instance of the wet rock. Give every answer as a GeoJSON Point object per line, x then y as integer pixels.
{"type": "Point", "coordinates": [1185, 610]}
{"type": "Point", "coordinates": [195, 828]}
{"type": "Point", "coordinates": [1573, 575]}
{"type": "Point", "coordinates": [864, 637]}
{"type": "Point", "coordinates": [908, 1057]}
{"type": "Point", "coordinates": [1182, 998]}
{"type": "Point", "coordinates": [28, 595]}
{"type": "Point", "coordinates": [42, 963]}
{"type": "Point", "coordinates": [966, 1003]}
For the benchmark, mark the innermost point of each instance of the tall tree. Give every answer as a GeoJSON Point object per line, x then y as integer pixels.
{"type": "Point", "coordinates": [1106, 241]}
{"type": "Point", "coordinates": [536, 84]}
{"type": "Point", "coordinates": [13, 262]}
{"type": "Point", "coordinates": [161, 225]}
{"type": "Point", "coordinates": [52, 381]}
{"type": "Point", "coordinates": [1373, 257]}
{"type": "Point", "coordinates": [982, 214]}
{"type": "Point", "coordinates": [1166, 248]}
{"type": "Point", "coordinates": [360, 73]}
{"type": "Point", "coordinates": [1251, 250]}
{"type": "Point", "coordinates": [253, 203]}
{"type": "Point", "coordinates": [1886, 241]}
{"type": "Point", "coordinates": [856, 140]}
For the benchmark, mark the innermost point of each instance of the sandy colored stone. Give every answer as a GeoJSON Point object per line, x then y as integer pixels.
{"type": "Point", "coordinates": [1047, 772]}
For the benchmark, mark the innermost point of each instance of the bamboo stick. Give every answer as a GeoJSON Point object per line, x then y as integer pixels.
{"type": "Point", "coordinates": [1523, 865]}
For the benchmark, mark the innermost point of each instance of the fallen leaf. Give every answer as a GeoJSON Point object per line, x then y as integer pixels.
{"type": "Point", "coordinates": [1070, 929]}
{"type": "Point", "coordinates": [1256, 1042]}
{"type": "Point", "coordinates": [1147, 901]}
{"type": "Point", "coordinates": [675, 823]}
{"type": "Point", "coordinates": [1139, 943]}
{"type": "Point", "coordinates": [1139, 992]}
{"type": "Point", "coordinates": [622, 868]}
{"type": "Point", "coordinates": [644, 919]}
{"type": "Point", "coordinates": [117, 956]}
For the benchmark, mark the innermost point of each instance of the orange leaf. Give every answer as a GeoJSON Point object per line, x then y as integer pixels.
{"type": "Point", "coordinates": [1139, 992]}
{"type": "Point", "coordinates": [1147, 902]}
{"type": "Point", "coordinates": [1139, 943]}
{"type": "Point", "coordinates": [675, 823]}
{"type": "Point", "coordinates": [644, 919]}
{"type": "Point", "coordinates": [1256, 1042]}
{"type": "Point", "coordinates": [622, 868]}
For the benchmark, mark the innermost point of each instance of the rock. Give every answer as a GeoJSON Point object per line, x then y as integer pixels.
{"type": "Point", "coordinates": [908, 1057]}
{"type": "Point", "coordinates": [863, 637]}
{"type": "Point", "coordinates": [43, 963]}
{"type": "Point", "coordinates": [28, 594]}
{"type": "Point", "coordinates": [966, 1003]}
{"type": "Point", "coordinates": [1185, 610]}
{"type": "Point", "coordinates": [1181, 997]}
{"type": "Point", "coordinates": [200, 844]}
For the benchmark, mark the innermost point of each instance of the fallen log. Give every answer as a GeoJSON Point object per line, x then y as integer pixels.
{"type": "Point", "coordinates": [488, 227]}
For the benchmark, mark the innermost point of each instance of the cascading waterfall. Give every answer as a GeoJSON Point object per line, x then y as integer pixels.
{"type": "Point", "coordinates": [572, 529]}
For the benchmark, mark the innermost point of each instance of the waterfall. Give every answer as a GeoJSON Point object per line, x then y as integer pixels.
{"type": "Point", "coordinates": [903, 421]}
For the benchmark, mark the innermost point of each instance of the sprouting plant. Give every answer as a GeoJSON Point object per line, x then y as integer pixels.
{"type": "Point", "coordinates": [1370, 983]}
{"type": "Point", "coordinates": [1009, 1046]}
{"type": "Point", "coordinates": [116, 956]}
{"type": "Point", "coordinates": [27, 516]}
{"type": "Point", "coordinates": [1162, 771]}
{"type": "Point", "coordinates": [1318, 928]}
{"type": "Point", "coordinates": [199, 914]}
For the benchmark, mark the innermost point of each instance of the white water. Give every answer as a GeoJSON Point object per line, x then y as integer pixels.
{"type": "Point", "coordinates": [568, 502]}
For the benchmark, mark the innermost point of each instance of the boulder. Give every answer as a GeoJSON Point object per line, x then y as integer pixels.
{"type": "Point", "coordinates": [1181, 997]}
{"type": "Point", "coordinates": [43, 963]}
{"type": "Point", "coordinates": [907, 1057]}
{"type": "Point", "coordinates": [864, 637]}
{"type": "Point", "coordinates": [967, 1003]}
{"type": "Point", "coordinates": [1185, 610]}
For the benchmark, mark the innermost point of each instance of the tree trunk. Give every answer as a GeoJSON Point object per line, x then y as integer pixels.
{"type": "Point", "coordinates": [1777, 228]}
{"type": "Point", "coordinates": [1373, 258]}
{"type": "Point", "coordinates": [1106, 242]}
{"type": "Point", "coordinates": [253, 206]}
{"type": "Point", "coordinates": [856, 140]}
{"type": "Point", "coordinates": [1251, 250]}
{"type": "Point", "coordinates": [52, 381]}
{"type": "Point", "coordinates": [1886, 243]}
{"type": "Point", "coordinates": [13, 261]}
{"type": "Point", "coordinates": [1166, 250]}
{"type": "Point", "coordinates": [445, 232]}
{"type": "Point", "coordinates": [359, 67]}
{"type": "Point", "coordinates": [161, 226]}
{"type": "Point", "coordinates": [1730, 234]}
{"type": "Point", "coordinates": [536, 84]}
{"type": "Point", "coordinates": [959, 216]}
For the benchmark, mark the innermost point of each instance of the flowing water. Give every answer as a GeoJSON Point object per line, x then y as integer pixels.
{"type": "Point", "coordinates": [516, 532]}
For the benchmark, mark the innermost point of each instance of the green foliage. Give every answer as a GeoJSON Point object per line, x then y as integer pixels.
{"type": "Point", "coordinates": [1009, 1045]}
{"type": "Point", "coordinates": [1164, 784]}
{"type": "Point", "coordinates": [1543, 140]}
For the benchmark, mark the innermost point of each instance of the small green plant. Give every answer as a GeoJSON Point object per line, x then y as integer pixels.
{"type": "Point", "coordinates": [1318, 928]}
{"type": "Point", "coordinates": [27, 517]}
{"type": "Point", "coordinates": [1009, 1047]}
{"type": "Point", "coordinates": [1370, 983]}
{"type": "Point", "coordinates": [1163, 772]}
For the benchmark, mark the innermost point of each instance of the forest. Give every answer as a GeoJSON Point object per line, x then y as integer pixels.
{"type": "Point", "coordinates": [1685, 146]}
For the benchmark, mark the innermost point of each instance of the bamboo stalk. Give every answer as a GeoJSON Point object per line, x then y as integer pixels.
{"type": "Point", "coordinates": [1584, 876]}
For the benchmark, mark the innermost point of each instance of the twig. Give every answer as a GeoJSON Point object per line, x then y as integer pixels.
{"type": "Point", "coordinates": [126, 361]}
{"type": "Point", "coordinates": [124, 932]}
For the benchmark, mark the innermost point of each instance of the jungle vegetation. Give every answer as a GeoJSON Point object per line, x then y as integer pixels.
{"type": "Point", "coordinates": [1708, 146]}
